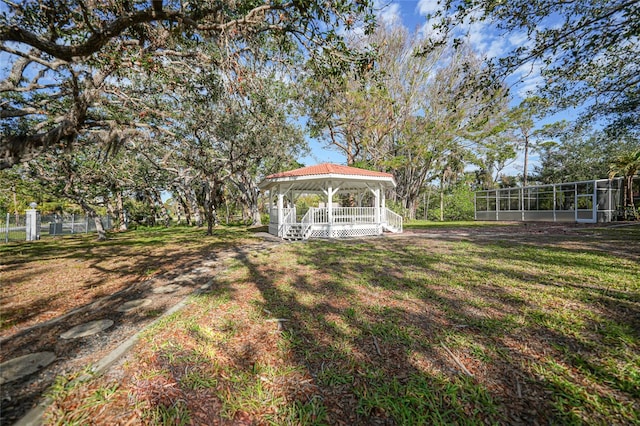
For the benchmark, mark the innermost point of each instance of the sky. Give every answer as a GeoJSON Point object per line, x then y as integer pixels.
{"type": "Point", "coordinates": [484, 39]}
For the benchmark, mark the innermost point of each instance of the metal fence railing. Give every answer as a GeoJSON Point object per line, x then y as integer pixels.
{"type": "Point", "coordinates": [13, 227]}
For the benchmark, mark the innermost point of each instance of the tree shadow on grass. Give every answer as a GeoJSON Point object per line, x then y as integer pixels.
{"type": "Point", "coordinates": [380, 331]}
{"type": "Point", "coordinates": [388, 333]}
{"type": "Point", "coordinates": [371, 363]}
{"type": "Point", "coordinates": [162, 292]}
{"type": "Point", "coordinates": [88, 270]}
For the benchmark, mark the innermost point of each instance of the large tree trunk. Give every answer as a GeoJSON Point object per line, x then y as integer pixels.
{"type": "Point", "coordinates": [193, 207]}
{"type": "Point", "coordinates": [122, 217]}
{"type": "Point", "coordinates": [210, 206]}
{"type": "Point", "coordinates": [256, 217]}
{"type": "Point", "coordinates": [117, 210]}
{"type": "Point", "coordinates": [164, 213]}
{"type": "Point", "coordinates": [89, 211]}
{"type": "Point", "coordinates": [252, 204]}
{"type": "Point", "coordinates": [410, 206]}
{"type": "Point", "coordinates": [250, 196]}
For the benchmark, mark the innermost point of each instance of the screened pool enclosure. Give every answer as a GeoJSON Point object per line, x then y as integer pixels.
{"type": "Point", "coordinates": [587, 202]}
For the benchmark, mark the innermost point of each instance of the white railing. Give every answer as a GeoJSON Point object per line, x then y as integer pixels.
{"type": "Point", "coordinates": [341, 215]}
{"type": "Point", "coordinates": [319, 215]}
{"type": "Point", "coordinates": [307, 221]}
{"type": "Point", "coordinates": [289, 215]}
{"type": "Point", "coordinates": [354, 215]}
{"type": "Point", "coordinates": [393, 220]}
{"type": "Point", "coordinates": [288, 219]}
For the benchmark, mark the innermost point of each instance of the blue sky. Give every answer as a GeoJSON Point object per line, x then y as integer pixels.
{"type": "Point", "coordinates": [485, 40]}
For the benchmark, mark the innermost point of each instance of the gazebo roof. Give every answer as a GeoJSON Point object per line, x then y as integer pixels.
{"type": "Point", "coordinates": [316, 177]}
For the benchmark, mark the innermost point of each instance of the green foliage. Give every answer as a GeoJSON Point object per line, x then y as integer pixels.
{"type": "Point", "coordinates": [458, 204]}
{"type": "Point", "coordinates": [587, 50]}
{"type": "Point", "coordinates": [77, 86]}
{"type": "Point", "coordinates": [579, 155]}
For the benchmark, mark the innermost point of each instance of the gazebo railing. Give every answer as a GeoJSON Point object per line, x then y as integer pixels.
{"type": "Point", "coordinates": [354, 215]}
{"type": "Point", "coordinates": [393, 220]}
{"type": "Point", "coordinates": [317, 215]}
{"type": "Point", "coordinates": [307, 221]}
{"type": "Point", "coordinates": [346, 221]}
{"type": "Point", "coordinates": [288, 215]}
{"type": "Point", "coordinates": [320, 215]}
{"type": "Point", "coordinates": [340, 215]}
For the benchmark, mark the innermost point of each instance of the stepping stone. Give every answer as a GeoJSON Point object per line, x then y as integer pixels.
{"type": "Point", "coordinates": [169, 288]}
{"type": "Point", "coordinates": [184, 279]}
{"type": "Point", "coordinates": [133, 304]}
{"type": "Point", "coordinates": [206, 286]}
{"type": "Point", "coordinates": [24, 365]}
{"type": "Point", "coordinates": [87, 329]}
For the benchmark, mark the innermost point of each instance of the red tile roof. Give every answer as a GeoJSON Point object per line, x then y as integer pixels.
{"type": "Point", "coordinates": [329, 169]}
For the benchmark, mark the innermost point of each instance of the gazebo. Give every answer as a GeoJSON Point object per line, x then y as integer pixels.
{"type": "Point", "coordinates": [329, 219]}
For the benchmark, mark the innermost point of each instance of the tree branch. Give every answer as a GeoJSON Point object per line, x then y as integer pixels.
{"type": "Point", "coordinates": [97, 40]}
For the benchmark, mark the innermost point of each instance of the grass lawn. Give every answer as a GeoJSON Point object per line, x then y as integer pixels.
{"type": "Point", "coordinates": [411, 329]}
{"type": "Point", "coordinates": [47, 278]}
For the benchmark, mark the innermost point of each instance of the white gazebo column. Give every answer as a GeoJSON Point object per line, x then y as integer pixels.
{"type": "Point", "coordinates": [330, 209]}
{"type": "Point", "coordinates": [280, 208]}
{"type": "Point", "coordinates": [271, 199]}
{"type": "Point", "coordinates": [376, 194]}
{"type": "Point", "coordinates": [383, 207]}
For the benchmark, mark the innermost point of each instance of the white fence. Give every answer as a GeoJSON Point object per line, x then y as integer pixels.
{"type": "Point", "coordinates": [13, 227]}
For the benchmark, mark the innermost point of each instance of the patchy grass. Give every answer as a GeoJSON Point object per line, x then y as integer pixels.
{"type": "Point", "coordinates": [44, 279]}
{"type": "Point", "coordinates": [403, 330]}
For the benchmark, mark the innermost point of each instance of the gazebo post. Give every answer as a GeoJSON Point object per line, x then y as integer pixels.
{"type": "Point", "coordinates": [376, 193]}
{"type": "Point", "coordinates": [383, 207]}
{"type": "Point", "coordinates": [280, 208]}
{"type": "Point", "coordinates": [330, 209]}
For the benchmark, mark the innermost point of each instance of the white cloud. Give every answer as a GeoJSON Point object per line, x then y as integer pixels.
{"type": "Point", "coordinates": [518, 39]}
{"type": "Point", "coordinates": [528, 79]}
{"type": "Point", "coordinates": [427, 7]}
{"type": "Point", "coordinates": [390, 14]}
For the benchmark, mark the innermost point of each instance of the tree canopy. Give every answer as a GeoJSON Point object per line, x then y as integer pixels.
{"type": "Point", "coordinates": [62, 55]}
{"type": "Point", "coordinates": [588, 51]}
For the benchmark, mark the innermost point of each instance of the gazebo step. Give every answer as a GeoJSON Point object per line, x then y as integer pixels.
{"type": "Point", "coordinates": [294, 233]}
{"type": "Point", "coordinates": [391, 229]}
